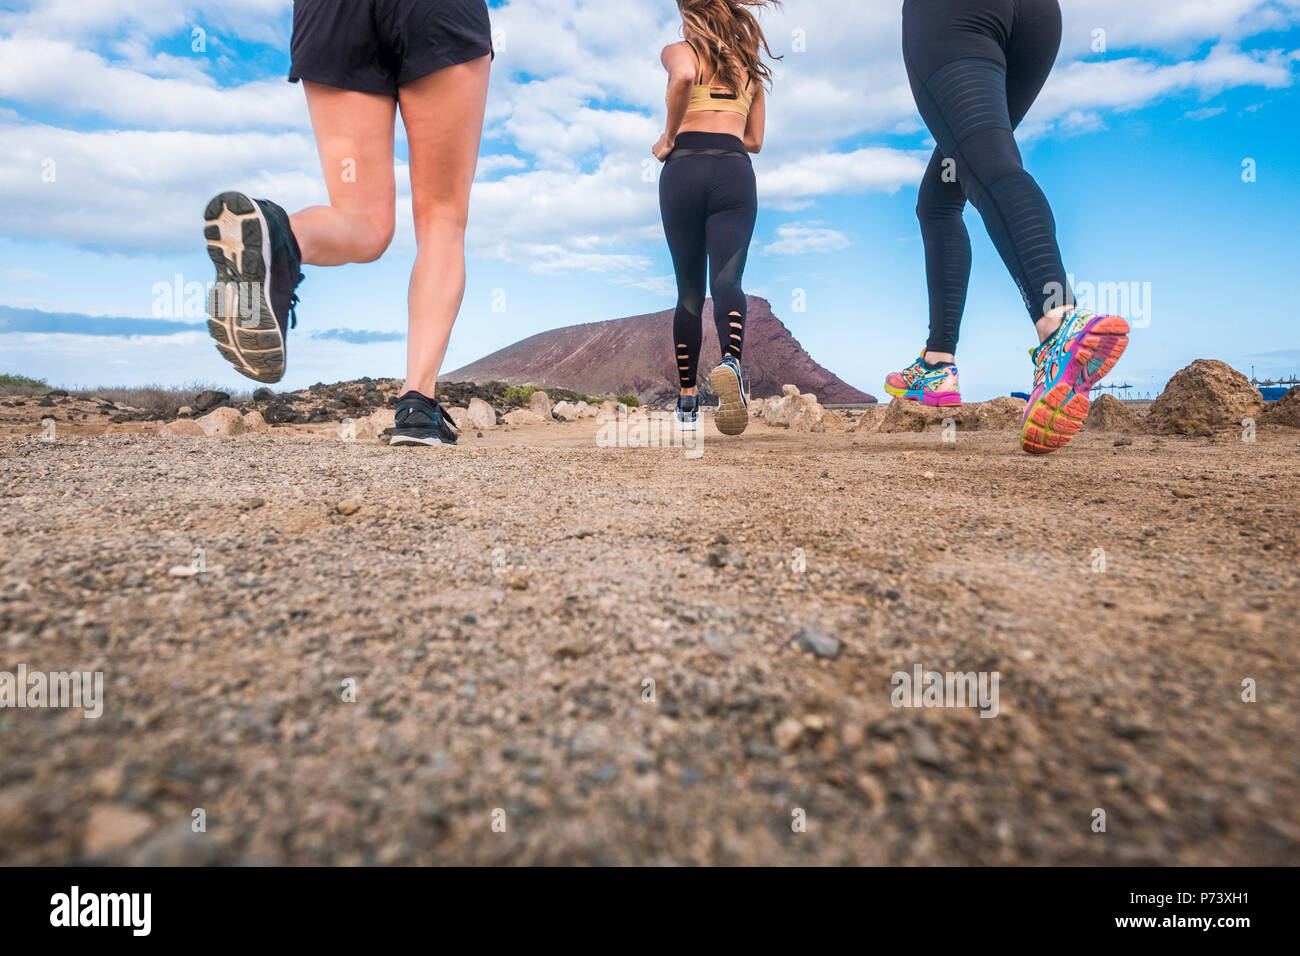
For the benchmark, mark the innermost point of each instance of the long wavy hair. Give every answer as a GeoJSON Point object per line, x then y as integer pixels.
{"type": "Point", "coordinates": [731, 38]}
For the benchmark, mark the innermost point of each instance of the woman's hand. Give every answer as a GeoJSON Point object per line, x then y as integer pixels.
{"type": "Point", "coordinates": [664, 147]}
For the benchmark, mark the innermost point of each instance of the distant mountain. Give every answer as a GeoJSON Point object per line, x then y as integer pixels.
{"type": "Point", "coordinates": [635, 355]}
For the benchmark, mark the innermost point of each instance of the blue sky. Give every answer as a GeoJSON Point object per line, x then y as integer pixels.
{"type": "Point", "coordinates": [1139, 146]}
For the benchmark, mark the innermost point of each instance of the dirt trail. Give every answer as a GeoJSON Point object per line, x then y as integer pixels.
{"type": "Point", "coordinates": [501, 608]}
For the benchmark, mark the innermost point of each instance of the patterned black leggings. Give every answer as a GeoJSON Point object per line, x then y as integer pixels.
{"type": "Point", "coordinates": [709, 201]}
{"type": "Point", "coordinates": [976, 66]}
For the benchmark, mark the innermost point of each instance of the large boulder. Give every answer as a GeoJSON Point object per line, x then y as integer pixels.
{"type": "Point", "coordinates": [525, 416]}
{"type": "Point", "coordinates": [1206, 396]}
{"type": "Point", "coordinates": [565, 411]}
{"type": "Point", "coordinates": [369, 428]}
{"type": "Point", "coordinates": [1109, 414]}
{"type": "Point", "coordinates": [904, 416]}
{"type": "Point", "coordinates": [541, 404]}
{"type": "Point", "coordinates": [779, 410]}
{"type": "Point", "coordinates": [182, 427]}
{"type": "Point", "coordinates": [208, 399]}
{"type": "Point", "coordinates": [222, 423]}
{"type": "Point", "coordinates": [1286, 411]}
{"type": "Point", "coordinates": [479, 414]}
{"type": "Point", "coordinates": [871, 419]}
{"type": "Point", "coordinates": [586, 411]}
{"type": "Point", "coordinates": [254, 422]}
{"type": "Point", "coordinates": [810, 416]}
{"type": "Point", "coordinates": [1002, 414]}
{"type": "Point", "coordinates": [807, 415]}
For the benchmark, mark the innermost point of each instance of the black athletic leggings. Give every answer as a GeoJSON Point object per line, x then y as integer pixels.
{"type": "Point", "coordinates": [976, 66]}
{"type": "Point", "coordinates": [709, 202]}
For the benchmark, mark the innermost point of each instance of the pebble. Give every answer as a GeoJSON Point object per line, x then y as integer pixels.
{"type": "Point", "coordinates": [788, 733]}
{"type": "Point", "coordinates": [815, 642]}
{"type": "Point", "coordinates": [110, 827]}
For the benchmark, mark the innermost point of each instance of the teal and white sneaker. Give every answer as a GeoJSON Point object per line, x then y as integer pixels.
{"type": "Point", "coordinates": [688, 412]}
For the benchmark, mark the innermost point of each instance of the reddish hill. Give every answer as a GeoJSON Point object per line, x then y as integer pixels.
{"type": "Point", "coordinates": [634, 355]}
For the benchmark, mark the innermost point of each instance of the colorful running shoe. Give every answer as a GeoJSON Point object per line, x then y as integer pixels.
{"type": "Point", "coordinates": [929, 386]}
{"type": "Point", "coordinates": [1066, 367]}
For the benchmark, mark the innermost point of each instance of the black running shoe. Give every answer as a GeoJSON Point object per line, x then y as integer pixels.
{"type": "Point", "coordinates": [259, 267]}
{"type": "Point", "coordinates": [421, 421]}
{"type": "Point", "coordinates": [733, 405]}
{"type": "Point", "coordinates": [688, 412]}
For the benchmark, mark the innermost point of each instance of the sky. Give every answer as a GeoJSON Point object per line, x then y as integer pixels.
{"type": "Point", "coordinates": [1166, 141]}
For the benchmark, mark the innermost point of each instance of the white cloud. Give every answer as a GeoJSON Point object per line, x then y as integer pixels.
{"type": "Point", "coordinates": [56, 75]}
{"type": "Point", "coordinates": [1130, 83]}
{"type": "Point", "coordinates": [566, 182]}
{"type": "Point", "coordinates": [797, 239]}
{"type": "Point", "coordinates": [256, 20]}
{"type": "Point", "coordinates": [793, 184]}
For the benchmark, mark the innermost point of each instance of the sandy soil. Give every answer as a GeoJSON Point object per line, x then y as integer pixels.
{"type": "Point", "coordinates": [500, 609]}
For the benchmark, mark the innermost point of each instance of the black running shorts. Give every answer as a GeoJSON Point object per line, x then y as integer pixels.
{"type": "Point", "coordinates": [376, 46]}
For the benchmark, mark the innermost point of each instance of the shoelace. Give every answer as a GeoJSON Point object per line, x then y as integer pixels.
{"type": "Point", "coordinates": [439, 412]}
{"type": "Point", "coordinates": [293, 303]}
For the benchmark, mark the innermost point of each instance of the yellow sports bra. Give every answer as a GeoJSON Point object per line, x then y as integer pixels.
{"type": "Point", "coordinates": [706, 97]}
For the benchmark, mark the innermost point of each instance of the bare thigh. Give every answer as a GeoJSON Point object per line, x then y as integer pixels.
{"type": "Point", "coordinates": [443, 114]}
{"type": "Point", "coordinates": [354, 135]}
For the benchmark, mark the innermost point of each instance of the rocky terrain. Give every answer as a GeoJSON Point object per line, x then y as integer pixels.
{"type": "Point", "coordinates": [538, 648]}
{"type": "Point", "coordinates": [636, 354]}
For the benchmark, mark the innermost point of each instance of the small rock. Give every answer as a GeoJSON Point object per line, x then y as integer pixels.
{"type": "Point", "coordinates": [571, 650]}
{"type": "Point", "coordinates": [110, 827]}
{"type": "Point", "coordinates": [175, 845]}
{"type": "Point", "coordinates": [788, 733]}
{"type": "Point", "coordinates": [264, 395]}
{"type": "Point", "coordinates": [348, 506]}
{"type": "Point", "coordinates": [815, 642]}
{"type": "Point", "coordinates": [924, 749]}
{"type": "Point", "coordinates": [721, 557]}
{"type": "Point", "coordinates": [718, 644]}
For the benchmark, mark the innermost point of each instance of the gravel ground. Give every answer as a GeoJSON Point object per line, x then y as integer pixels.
{"type": "Point", "coordinates": [500, 610]}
